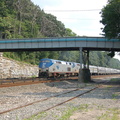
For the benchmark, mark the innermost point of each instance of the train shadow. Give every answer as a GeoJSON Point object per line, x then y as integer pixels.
{"type": "Point", "coordinates": [63, 86]}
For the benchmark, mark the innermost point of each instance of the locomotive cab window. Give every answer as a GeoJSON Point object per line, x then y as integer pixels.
{"type": "Point", "coordinates": [58, 62]}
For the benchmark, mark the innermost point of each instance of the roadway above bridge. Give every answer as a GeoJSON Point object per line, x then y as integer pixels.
{"type": "Point", "coordinates": [60, 44]}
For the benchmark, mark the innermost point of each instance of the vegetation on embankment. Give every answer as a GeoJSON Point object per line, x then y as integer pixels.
{"type": "Point", "coordinates": [23, 19]}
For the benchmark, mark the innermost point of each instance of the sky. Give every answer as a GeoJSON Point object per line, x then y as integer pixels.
{"type": "Point", "coordinates": [82, 17]}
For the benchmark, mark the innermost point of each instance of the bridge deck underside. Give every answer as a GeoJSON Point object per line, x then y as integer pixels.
{"type": "Point", "coordinates": [59, 44]}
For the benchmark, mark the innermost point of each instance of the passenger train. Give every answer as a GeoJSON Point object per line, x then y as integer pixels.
{"type": "Point", "coordinates": [57, 68]}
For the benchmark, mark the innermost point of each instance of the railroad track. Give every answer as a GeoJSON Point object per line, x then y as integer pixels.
{"type": "Point", "coordinates": [28, 81]}
{"type": "Point", "coordinates": [20, 82]}
{"type": "Point", "coordinates": [36, 102]}
{"type": "Point", "coordinates": [32, 104]}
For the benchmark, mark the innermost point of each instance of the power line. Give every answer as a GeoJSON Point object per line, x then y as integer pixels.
{"type": "Point", "coordinates": [90, 10]}
{"type": "Point", "coordinates": [77, 18]}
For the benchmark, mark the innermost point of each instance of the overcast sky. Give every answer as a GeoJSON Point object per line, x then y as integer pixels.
{"type": "Point", "coordinates": [82, 16]}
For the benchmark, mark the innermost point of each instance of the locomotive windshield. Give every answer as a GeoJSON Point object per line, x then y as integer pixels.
{"type": "Point", "coordinates": [45, 63]}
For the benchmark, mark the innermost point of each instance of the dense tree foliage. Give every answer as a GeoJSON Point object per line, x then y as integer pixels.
{"type": "Point", "coordinates": [23, 19]}
{"type": "Point", "coordinates": [98, 58]}
{"type": "Point", "coordinates": [111, 19]}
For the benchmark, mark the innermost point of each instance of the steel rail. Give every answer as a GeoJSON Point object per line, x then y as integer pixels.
{"type": "Point", "coordinates": [17, 82]}
{"type": "Point", "coordinates": [64, 102]}
{"type": "Point", "coordinates": [37, 101]}
{"type": "Point", "coordinates": [50, 98]}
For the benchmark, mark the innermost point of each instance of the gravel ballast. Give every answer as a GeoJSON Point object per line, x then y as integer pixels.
{"type": "Point", "coordinates": [102, 101]}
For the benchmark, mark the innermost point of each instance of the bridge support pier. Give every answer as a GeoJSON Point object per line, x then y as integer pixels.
{"type": "Point", "coordinates": [84, 76]}
{"type": "Point", "coordinates": [84, 72]}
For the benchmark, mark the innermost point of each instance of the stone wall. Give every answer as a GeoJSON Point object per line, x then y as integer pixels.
{"type": "Point", "coordinates": [13, 69]}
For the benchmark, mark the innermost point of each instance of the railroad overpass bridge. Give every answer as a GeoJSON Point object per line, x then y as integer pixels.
{"type": "Point", "coordinates": [60, 44]}
{"type": "Point", "coordinates": [64, 43]}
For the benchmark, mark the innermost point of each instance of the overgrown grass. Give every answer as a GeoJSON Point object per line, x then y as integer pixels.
{"type": "Point", "coordinates": [114, 96]}
{"type": "Point", "coordinates": [66, 114]}
{"type": "Point", "coordinates": [37, 117]}
{"type": "Point", "coordinates": [111, 114]}
{"type": "Point", "coordinates": [114, 79]}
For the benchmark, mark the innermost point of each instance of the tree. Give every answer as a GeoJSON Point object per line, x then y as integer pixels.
{"type": "Point", "coordinates": [71, 56]}
{"type": "Point", "coordinates": [70, 33]}
{"type": "Point", "coordinates": [114, 63]}
{"type": "Point", "coordinates": [111, 19]}
{"type": "Point", "coordinates": [51, 27]}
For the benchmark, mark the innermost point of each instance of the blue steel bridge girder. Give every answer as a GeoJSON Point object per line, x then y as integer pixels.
{"type": "Point", "coordinates": [59, 44]}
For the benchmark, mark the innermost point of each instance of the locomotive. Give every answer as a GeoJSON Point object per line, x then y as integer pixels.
{"type": "Point", "coordinates": [57, 68]}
